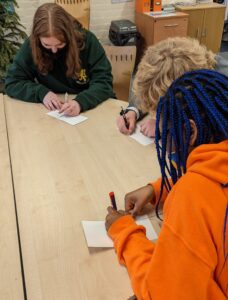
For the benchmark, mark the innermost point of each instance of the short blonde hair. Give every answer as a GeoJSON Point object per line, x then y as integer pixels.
{"type": "Point", "coordinates": [163, 63]}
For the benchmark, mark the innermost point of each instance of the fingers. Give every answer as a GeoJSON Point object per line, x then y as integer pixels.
{"type": "Point", "coordinates": [122, 127]}
{"type": "Point", "coordinates": [113, 216]}
{"type": "Point", "coordinates": [136, 210]}
{"type": "Point", "coordinates": [148, 127]}
{"type": "Point", "coordinates": [51, 101]}
{"type": "Point", "coordinates": [48, 106]}
{"type": "Point", "coordinates": [66, 109]}
{"type": "Point", "coordinates": [111, 210]}
{"type": "Point", "coordinates": [129, 204]}
{"type": "Point", "coordinates": [144, 130]}
{"type": "Point", "coordinates": [71, 108]}
{"type": "Point", "coordinates": [56, 103]}
{"type": "Point", "coordinates": [132, 124]}
{"type": "Point", "coordinates": [132, 207]}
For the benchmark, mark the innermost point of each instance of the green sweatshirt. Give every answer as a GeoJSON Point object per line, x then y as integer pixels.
{"type": "Point", "coordinates": [94, 85]}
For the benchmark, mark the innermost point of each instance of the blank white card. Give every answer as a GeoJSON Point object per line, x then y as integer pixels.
{"type": "Point", "coordinates": [70, 120]}
{"type": "Point", "coordinates": [96, 235]}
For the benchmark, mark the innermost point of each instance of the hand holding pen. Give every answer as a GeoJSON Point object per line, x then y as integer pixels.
{"type": "Point", "coordinates": [126, 121]}
{"type": "Point", "coordinates": [113, 214]}
{"type": "Point", "coordinates": [122, 113]}
{"type": "Point", "coordinates": [70, 108]}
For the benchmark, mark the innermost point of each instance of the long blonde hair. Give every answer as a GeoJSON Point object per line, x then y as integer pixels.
{"type": "Point", "coordinates": [165, 62]}
{"type": "Point", "coordinates": [51, 20]}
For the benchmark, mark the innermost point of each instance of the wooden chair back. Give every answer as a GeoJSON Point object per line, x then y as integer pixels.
{"type": "Point", "coordinates": [122, 59]}
{"type": "Point", "coordinates": [79, 9]}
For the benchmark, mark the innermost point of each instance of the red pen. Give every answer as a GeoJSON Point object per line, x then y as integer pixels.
{"type": "Point", "coordinates": [113, 200]}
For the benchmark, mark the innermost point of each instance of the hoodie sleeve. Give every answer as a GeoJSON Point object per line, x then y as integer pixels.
{"type": "Point", "coordinates": [99, 68]}
{"type": "Point", "coordinates": [20, 79]}
{"type": "Point", "coordinates": [134, 251]}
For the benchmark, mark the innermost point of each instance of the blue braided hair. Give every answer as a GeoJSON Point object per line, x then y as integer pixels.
{"type": "Point", "coordinates": [201, 96]}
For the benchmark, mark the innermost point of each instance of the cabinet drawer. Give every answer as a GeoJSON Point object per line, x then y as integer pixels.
{"type": "Point", "coordinates": [165, 28]}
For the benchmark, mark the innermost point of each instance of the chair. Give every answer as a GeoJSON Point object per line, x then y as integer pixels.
{"type": "Point", "coordinates": [79, 9]}
{"type": "Point", "coordinates": [122, 59]}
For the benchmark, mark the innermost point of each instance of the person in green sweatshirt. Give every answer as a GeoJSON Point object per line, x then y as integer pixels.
{"type": "Point", "coordinates": [60, 57]}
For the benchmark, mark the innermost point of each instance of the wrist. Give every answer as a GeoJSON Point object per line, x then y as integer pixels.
{"type": "Point", "coordinates": [152, 198]}
{"type": "Point", "coordinates": [78, 106]}
{"type": "Point", "coordinates": [132, 108]}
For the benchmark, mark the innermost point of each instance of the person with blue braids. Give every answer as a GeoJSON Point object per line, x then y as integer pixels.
{"type": "Point", "coordinates": [190, 258]}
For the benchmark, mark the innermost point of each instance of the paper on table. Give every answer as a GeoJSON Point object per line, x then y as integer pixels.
{"type": "Point", "coordinates": [141, 138]}
{"type": "Point", "coordinates": [67, 119]}
{"type": "Point", "coordinates": [96, 235]}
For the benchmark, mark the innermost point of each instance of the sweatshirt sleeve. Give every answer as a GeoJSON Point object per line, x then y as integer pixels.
{"type": "Point", "coordinates": [20, 80]}
{"type": "Point", "coordinates": [99, 68]}
{"type": "Point", "coordinates": [134, 251]}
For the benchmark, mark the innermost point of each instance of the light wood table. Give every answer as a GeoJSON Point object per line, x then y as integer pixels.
{"type": "Point", "coordinates": [10, 268]}
{"type": "Point", "coordinates": [62, 175]}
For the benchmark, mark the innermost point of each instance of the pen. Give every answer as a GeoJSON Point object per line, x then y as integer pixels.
{"type": "Point", "coordinates": [66, 98]}
{"type": "Point", "coordinates": [113, 200]}
{"type": "Point", "coordinates": [122, 113]}
{"type": "Point", "coordinates": [65, 101]}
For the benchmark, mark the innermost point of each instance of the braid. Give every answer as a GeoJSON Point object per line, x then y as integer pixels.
{"type": "Point", "coordinates": [201, 96]}
{"type": "Point", "coordinates": [161, 150]}
{"type": "Point", "coordinates": [214, 114]}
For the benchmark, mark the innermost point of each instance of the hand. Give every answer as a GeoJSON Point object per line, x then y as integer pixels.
{"type": "Point", "coordinates": [70, 108]}
{"type": "Point", "coordinates": [112, 216]}
{"type": "Point", "coordinates": [147, 127]}
{"type": "Point", "coordinates": [51, 101]}
{"type": "Point", "coordinates": [131, 119]}
{"type": "Point", "coordinates": [136, 200]}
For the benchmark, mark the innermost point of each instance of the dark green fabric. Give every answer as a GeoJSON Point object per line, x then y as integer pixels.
{"type": "Point", "coordinates": [24, 82]}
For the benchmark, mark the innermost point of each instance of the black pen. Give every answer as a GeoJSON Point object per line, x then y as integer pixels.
{"type": "Point", "coordinates": [122, 113]}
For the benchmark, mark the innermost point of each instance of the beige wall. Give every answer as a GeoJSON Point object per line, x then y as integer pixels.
{"type": "Point", "coordinates": [102, 13]}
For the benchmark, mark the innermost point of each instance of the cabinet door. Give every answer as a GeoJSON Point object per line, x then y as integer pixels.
{"type": "Point", "coordinates": [145, 26]}
{"type": "Point", "coordinates": [195, 23]}
{"type": "Point", "coordinates": [165, 28]}
{"type": "Point", "coordinates": [212, 28]}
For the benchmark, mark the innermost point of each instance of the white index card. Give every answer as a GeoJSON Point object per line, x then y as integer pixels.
{"type": "Point", "coordinates": [67, 119]}
{"type": "Point", "coordinates": [141, 138]}
{"type": "Point", "coordinates": [96, 235]}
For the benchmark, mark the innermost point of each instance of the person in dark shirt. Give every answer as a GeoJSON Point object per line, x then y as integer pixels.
{"type": "Point", "coordinates": [60, 57]}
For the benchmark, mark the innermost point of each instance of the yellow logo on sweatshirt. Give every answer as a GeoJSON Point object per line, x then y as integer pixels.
{"type": "Point", "coordinates": [82, 78]}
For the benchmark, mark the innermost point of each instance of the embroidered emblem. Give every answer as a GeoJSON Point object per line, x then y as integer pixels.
{"type": "Point", "coordinates": [82, 78]}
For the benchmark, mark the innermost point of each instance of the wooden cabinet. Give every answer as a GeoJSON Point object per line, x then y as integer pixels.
{"type": "Point", "coordinates": [206, 23]}
{"type": "Point", "coordinates": [153, 29]}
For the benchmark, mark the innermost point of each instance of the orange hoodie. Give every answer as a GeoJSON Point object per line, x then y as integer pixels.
{"type": "Point", "coordinates": [188, 261]}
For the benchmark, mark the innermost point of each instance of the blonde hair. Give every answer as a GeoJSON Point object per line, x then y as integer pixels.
{"type": "Point", "coordinates": [163, 63]}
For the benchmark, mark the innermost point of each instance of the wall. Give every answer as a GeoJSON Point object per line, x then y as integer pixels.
{"type": "Point", "coordinates": [101, 14]}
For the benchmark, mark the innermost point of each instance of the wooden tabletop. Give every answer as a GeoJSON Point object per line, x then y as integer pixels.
{"type": "Point", "coordinates": [62, 175]}
{"type": "Point", "coordinates": [10, 278]}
